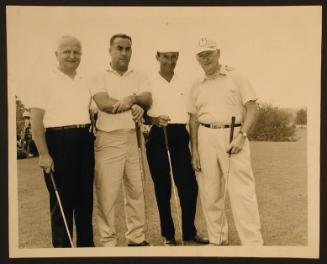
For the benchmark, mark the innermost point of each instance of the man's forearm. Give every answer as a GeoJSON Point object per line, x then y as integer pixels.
{"type": "Point", "coordinates": [251, 116]}
{"type": "Point", "coordinates": [194, 127]}
{"type": "Point", "coordinates": [104, 102]}
{"type": "Point", "coordinates": [38, 134]}
{"type": "Point", "coordinates": [144, 100]}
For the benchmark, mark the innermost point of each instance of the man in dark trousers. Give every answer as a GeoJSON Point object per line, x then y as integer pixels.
{"type": "Point", "coordinates": [61, 130]}
{"type": "Point", "coordinates": [168, 110]}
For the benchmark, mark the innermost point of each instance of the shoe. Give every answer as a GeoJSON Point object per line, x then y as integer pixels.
{"type": "Point", "coordinates": [170, 242]}
{"type": "Point", "coordinates": [196, 240]}
{"type": "Point", "coordinates": [224, 243]}
{"type": "Point", "coordinates": [142, 244]}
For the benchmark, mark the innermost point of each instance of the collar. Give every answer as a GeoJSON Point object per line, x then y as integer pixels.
{"type": "Point", "coordinates": [110, 69]}
{"type": "Point", "coordinates": [63, 75]}
{"type": "Point", "coordinates": [223, 70]}
{"type": "Point", "coordinates": [173, 79]}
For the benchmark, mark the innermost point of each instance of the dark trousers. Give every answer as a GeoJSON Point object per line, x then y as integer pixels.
{"type": "Point", "coordinates": [72, 151]}
{"type": "Point", "coordinates": [183, 173]}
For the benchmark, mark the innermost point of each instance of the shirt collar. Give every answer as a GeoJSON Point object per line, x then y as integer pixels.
{"type": "Point", "coordinates": [110, 69]}
{"type": "Point", "coordinates": [63, 75]}
{"type": "Point", "coordinates": [222, 71]}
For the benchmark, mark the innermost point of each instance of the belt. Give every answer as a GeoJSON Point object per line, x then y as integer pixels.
{"type": "Point", "coordinates": [217, 126]}
{"type": "Point", "coordinates": [68, 127]}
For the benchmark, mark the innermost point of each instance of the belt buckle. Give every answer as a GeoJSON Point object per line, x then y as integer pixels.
{"type": "Point", "coordinates": [215, 125]}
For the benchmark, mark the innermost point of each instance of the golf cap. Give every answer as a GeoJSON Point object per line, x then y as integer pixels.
{"type": "Point", "coordinates": [205, 44]}
{"type": "Point", "coordinates": [26, 114]}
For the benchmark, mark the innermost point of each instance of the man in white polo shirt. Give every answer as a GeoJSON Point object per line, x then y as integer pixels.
{"type": "Point", "coordinates": [168, 110]}
{"type": "Point", "coordinates": [213, 100]}
{"type": "Point", "coordinates": [120, 93]}
{"type": "Point", "coordinates": [60, 126]}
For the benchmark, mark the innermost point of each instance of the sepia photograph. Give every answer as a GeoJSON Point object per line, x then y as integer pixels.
{"type": "Point", "coordinates": [164, 131]}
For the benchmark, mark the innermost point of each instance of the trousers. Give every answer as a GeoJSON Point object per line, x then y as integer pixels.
{"type": "Point", "coordinates": [72, 151]}
{"type": "Point", "coordinates": [117, 164]}
{"type": "Point", "coordinates": [184, 177]}
{"type": "Point", "coordinates": [212, 146]}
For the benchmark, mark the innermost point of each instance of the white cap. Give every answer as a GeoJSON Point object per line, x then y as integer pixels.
{"type": "Point", "coordinates": [26, 114]}
{"type": "Point", "coordinates": [168, 46]}
{"type": "Point", "coordinates": [205, 44]}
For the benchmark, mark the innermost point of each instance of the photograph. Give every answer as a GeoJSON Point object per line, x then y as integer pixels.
{"type": "Point", "coordinates": [164, 131]}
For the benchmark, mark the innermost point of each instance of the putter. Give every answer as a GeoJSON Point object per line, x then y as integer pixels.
{"type": "Point", "coordinates": [61, 209]}
{"type": "Point", "coordinates": [139, 146]}
{"type": "Point", "coordinates": [173, 183]}
{"type": "Point", "coordinates": [231, 135]}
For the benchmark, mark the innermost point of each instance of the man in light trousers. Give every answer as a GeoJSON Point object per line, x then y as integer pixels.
{"type": "Point", "coordinates": [213, 100]}
{"type": "Point", "coordinates": [120, 94]}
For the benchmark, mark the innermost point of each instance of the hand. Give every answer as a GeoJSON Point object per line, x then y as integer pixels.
{"type": "Point", "coordinates": [124, 104]}
{"type": "Point", "coordinates": [137, 113]}
{"type": "Point", "coordinates": [236, 145]}
{"type": "Point", "coordinates": [196, 161]}
{"type": "Point", "coordinates": [46, 163]}
{"type": "Point", "coordinates": [160, 121]}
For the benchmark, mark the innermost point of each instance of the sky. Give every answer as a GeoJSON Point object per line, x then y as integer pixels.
{"type": "Point", "coordinates": [276, 48]}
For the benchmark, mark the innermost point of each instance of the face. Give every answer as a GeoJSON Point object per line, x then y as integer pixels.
{"type": "Point", "coordinates": [167, 61]}
{"type": "Point", "coordinates": [69, 55]}
{"type": "Point", "coordinates": [209, 61]}
{"type": "Point", "coordinates": [121, 52]}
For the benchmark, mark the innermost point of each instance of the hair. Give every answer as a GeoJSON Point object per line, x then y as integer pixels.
{"type": "Point", "coordinates": [65, 38]}
{"type": "Point", "coordinates": [124, 36]}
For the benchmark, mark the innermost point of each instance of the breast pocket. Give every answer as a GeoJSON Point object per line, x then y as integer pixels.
{"type": "Point", "coordinates": [231, 96]}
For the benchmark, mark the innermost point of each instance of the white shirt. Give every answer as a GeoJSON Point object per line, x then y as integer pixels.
{"type": "Point", "coordinates": [168, 98]}
{"type": "Point", "coordinates": [219, 98]}
{"type": "Point", "coordinates": [117, 86]}
{"type": "Point", "coordinates": [65, 101]}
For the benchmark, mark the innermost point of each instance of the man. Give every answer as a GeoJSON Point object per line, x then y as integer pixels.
{"type": "Point", "coordinates": [60, 127]}
{"type": "Point", "coordinates": [26, 135]}
{"type": "Point", "coordinates": [168, 110]}
{"type": "Point", "coordinates": [120, 93]}
{"type": "Point", "coordinates": [213, 100]}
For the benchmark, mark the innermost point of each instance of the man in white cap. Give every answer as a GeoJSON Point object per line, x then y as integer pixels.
{"type": "Point", "coordinates": [120, 94]}
{"type": "Point", "coordinates": [212, 102]}
{"type": "Point", "coordinates": [61, 129]}
{"type": "Point", "coordinates": [168, 110]}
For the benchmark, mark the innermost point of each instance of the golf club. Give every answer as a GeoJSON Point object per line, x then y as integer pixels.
{"type": "Point", "coordinates": [61, 209]}
{"type": "Point", "coordinates": [173, 183]}
{"type": "Point", "coordinates": [141, 159]}
{"type": "Point", "coordinates": [231, 135]}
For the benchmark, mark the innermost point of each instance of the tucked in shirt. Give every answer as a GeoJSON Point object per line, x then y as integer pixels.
{"type": "Point", "coordinates": [219, 98]}
{"type": "Point", "coordinates": [117, 86]}
{"type": "Point", "coordinates": [168, 98]}
{"type": "Point", "coordinates": [65, 100]}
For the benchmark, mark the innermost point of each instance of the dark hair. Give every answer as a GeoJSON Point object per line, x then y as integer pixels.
{"type": "Point", "coordinates": [124, 36]}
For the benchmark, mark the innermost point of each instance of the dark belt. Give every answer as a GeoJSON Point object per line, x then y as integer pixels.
{"type": "Point", "coordinates": [68, 127]}
{"type": "Point", "coordinates": [217, 126]}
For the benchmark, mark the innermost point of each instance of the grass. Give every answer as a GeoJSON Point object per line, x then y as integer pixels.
{"type": "Point", "coordinates": [281, 184]}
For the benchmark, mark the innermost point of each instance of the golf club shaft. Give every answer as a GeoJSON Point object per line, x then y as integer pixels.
{"type": "Point", "coordinates": [139, 146]}
{"type": "Point", "coordinates": [61, 209]}
{"type": "Point", "coordinates": [173, 183]}
{"type": "Point", "coordinates": [231, 135]}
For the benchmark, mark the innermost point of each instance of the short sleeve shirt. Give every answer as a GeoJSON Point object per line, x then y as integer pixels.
{"type": "Point", "coordinates": [65, 100]}
{"type": "Point", "coordinates": [168, 98]}
{"type": "Point", "coordinates": [117, 86]}
{"type": "Point", "coordinates": [219, 98]}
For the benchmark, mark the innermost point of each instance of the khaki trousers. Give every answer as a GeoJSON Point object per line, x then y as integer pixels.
{"type": "Point", "coordinates": [212, 146]}
{"type": "Point", "coordinates": [116, 164]}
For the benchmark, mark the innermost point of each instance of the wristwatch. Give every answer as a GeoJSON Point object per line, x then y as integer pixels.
{"type": "Point", "coordinates": [244, 134]}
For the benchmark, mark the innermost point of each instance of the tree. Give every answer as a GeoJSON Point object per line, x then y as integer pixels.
{"type": "Point", "coordinates": [273, 124]}
{"type": "Point", "coordinates": [301, 117]}
{"type": "Point", "coordinates": [20, 108]}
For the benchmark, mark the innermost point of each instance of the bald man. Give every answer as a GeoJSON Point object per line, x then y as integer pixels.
{"type": "Point", "coordinates": [61, 130]}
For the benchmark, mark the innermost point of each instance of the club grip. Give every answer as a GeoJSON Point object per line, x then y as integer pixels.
{"type": "Point", "coordinates": [232, 125]}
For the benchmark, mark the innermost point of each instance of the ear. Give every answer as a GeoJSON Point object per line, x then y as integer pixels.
{"type": "Point", "coordinates": [56, 54]}
{"type": "Point", "coordinates": [218, 52]}
{"type": "Point", "coordinates": [157, 56]}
